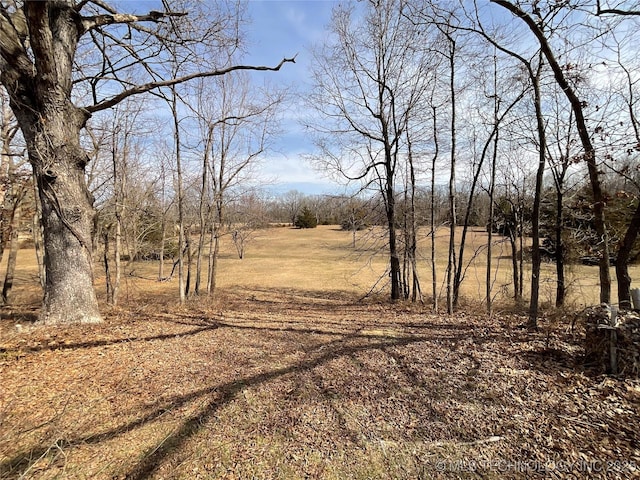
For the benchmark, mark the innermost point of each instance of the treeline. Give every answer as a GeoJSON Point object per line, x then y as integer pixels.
{"type": "Point", "coordinates": [148, 230]}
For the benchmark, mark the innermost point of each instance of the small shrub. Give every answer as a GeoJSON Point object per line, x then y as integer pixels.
{"type": "Point", "coordinates": [306, 219]}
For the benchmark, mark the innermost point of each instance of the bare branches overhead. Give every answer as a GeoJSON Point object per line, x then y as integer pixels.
{"type": "Point", "coordinates": [89, 23]}
{"type": "Point", "coordinates": [615, 11]}
{"type": "Point", "coordinates": [174, 81]}
{"type": "Point", "coordinates": [108, 48]}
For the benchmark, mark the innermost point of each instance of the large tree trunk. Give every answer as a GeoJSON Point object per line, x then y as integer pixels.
{"type": "Point", "coordinates": [69, 294]}
{"type": "Point", "coordinates": [67, 213]}
{"type": "Point", "coordinates": [40, 93]}
{"type": "Point", "coordinates": [622, 261]}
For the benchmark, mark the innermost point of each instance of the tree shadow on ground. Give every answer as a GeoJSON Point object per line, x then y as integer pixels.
{"type": "Point", "coordinates": [116, 341]}
{"type": "Point", "coordinates": [221, 394]}
{"type": "Point", "coordinates": [19, 313]}
{"type": "Point", "coordinates": [216, 396]}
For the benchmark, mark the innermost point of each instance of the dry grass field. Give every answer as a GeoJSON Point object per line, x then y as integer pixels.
{"type": "Point", "coordinates": [288, 374]}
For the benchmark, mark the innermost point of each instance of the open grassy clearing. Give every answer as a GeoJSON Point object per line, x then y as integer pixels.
{"type": "Point", "coordinates": [324, 259]}
{"type": "Point", "coordinates": [287, 375]}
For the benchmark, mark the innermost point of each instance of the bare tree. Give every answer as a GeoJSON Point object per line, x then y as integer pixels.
{"type": "Point", "coordinates": [236, 127]}
{"type": "Point", "coordinates": [432, 217]}
{"type": "Point", "coordinates": [561, 157]}
{"type": "Point", "coordinates": [410, 277]}
{"type": "Point", "coordinates": [450, 53]}
{"type": "Point", "coordinates": [630, 96]}
{"type": "Point", "coordinates": [292, 202]}
{"type": "Point", "coordinates": [368, 81]}
{"type": "Point", "coordinates": [533, 74]}
{"type": "Point", "coordinates": [39, 42]}
{"type": "Point", "coordinates": [492, 184]}
{"type": "Point", "coordinates": [125, 127]}
{"type": "Point", "coordinates": [246, 216]}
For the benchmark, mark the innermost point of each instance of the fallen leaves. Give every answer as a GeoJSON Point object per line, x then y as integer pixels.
{"type": "Point", "coordinates": [294, 387]}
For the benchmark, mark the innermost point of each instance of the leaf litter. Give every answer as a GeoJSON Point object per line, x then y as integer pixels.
{"type": "Point", "coordinates": [285, 384]}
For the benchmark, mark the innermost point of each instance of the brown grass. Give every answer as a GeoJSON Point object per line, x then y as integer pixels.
{"type": "Point", "coordinates": [323, 259]}
{"type": "Point", "coordinates": [287, 375]}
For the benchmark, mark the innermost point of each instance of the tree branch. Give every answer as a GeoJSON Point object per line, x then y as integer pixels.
{"type": "Point", "coordinates": [89, 23]}
{"type": "Point", "coordinates": [11, 49]}
{"type": "Point", "coordinates": [138, 89]}
{"type": "Point", "coordinates": [615, 11]}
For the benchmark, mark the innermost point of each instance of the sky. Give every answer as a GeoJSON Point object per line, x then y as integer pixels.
{"type": "Point", "coordinates": [279, 29]}
{"type": "Point", "coordinates": [287, 28]}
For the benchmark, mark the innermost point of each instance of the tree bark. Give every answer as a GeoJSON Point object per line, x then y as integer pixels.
{"type": "Point", "coordinates": [535, 216]}
{"type": "Point", "coordinates": [38, 238]}
{"type": "Point", "coordinates": [40, 93]}
{"type": "Point", "coordinates": [67, 211]}
{"type": "Point", "coordinates": [622, 260]}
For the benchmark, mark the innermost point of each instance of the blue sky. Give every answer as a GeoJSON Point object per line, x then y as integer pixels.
{"type": "Point", "coordinates": [284, 28]}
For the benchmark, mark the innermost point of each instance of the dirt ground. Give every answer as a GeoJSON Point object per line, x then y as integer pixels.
{"type": "Point", "coordinates": [288, 384]}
